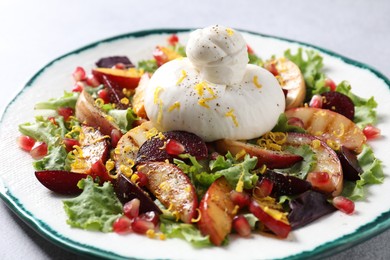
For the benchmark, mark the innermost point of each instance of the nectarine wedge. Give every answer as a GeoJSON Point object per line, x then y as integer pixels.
{"type": "Point", "coordinates": [123, 78]}
{"type": "Point", "coordinates": [217, 211]}
{"type": "Point", "coordinates": [172, 187]}
{"type": "Point", "coordinates": [273, 159]}
{"type": "Point", "coordinates": [330, 126]}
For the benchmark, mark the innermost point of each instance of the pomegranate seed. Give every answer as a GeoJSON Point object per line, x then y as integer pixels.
{"type": "Point", "coordinates": [319, 178]}
{"type": "Point", "coordinates": [141, 226]}
{"type": "Point", "coordinates": [79, 74]}
{"type": "Point", "coordinates": [142, 179]}
{"type": "Point", "coordinates": [151, 216]}
{"type": "Point", "coordinates": [241, 199]}
{"type": "Point", "coordinates": [371, 132]}
{"type": "Point", "coordinates": [173, 147]}
{"type": "Point", "coordinates": [263, 188]}
{"type": "Point", "coordinates": [271, 67]}
{"type": "Point", "coordinates": [173, 40]}
{"type": "Point", "coordinates": [98, 169]}
{"type": "Point", "coordinates": [316, 101]}
{"type": "Point", "coordinates": [295, 121]}
{"type": "Point", "coordinates": [66, 112]}
{"type": "Point", "coordinates": [122, 225]}
{"type": "Point", "coordinates": [115, 136]}
{"type": "Point", "coordinates": [78, 87]}
{"type": "Point", "coordinates": [103, 94]}
{"type": "Point", "coordinates": [160, 56]}
{"type": "Point", "coordinates": [92, 81]}
{"type": "Point", "coordinates": [26, 142]}
{"type": "Point", "coordinates": [250, 50]}
{"type": "Point", "coordinates": [131, 208]}
{"type": "Point", "coordinates": [119, 66]}
{"type": "Point", "coordinates": [52, 120]}
{"type": "Point", "coordinates": [70, 143]}
{"type": "Point", "coordinates": [343, 204]}
{"type": "Point", "coordinates": [39, 150]}
{"type": "Point", "coordinates": [241, 226]}
{"type": "Point", "coordinates": [330, 84]}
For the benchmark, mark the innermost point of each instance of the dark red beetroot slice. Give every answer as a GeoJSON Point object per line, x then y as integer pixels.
{"type": "Point", "coordinates": [62, 182]}
{"type": "Point", "coordinates": [126, 191]}
{"type": "Point", "coordinates": [339, 103]}
{"type": "Point", "coordinates": [286, 185]}
{"type": "Point", "coordinates": [155, 149]}
{"type": "Point", "coordinates": [109, 62]}
{"type": "Point", "coordinates": [350, 164]}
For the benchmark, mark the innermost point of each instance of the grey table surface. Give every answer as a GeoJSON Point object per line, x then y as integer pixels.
{"type": "Point", "coordinates": [32, 33]}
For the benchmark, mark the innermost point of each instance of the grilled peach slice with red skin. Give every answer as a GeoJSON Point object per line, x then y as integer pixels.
{"type": "Point", "coordinates": [217, 211]}
{"type": "Point", "coordinates": [327, 163]}
{"type": "Point", "coordinates": [273, 159]}
{"type": "Point", "coordinates": [128, 145]}
{"type": "Point", "coordinates": [123, 78]}
{"type": "Point", "coordinates": [94, 147]}
{"type": "Point", "coordinates": [291, 79]}
{"type": "Point", "coordinates": [172, 188]}
{"type": "Point", "coordinates": [267, 215]}
{"type": "Point", "coordinates": [88, 113]}
{"type": "Point", "coordinates": [329, 125]}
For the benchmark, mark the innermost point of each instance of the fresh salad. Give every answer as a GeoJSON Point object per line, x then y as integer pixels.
{"type": "Point", "coordinates": [119, 149]}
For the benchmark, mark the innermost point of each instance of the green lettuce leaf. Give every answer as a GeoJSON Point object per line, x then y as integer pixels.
{"type": "Point", "coordinates": [233, 170]}
{"type": "Point", "coordinates": [124, 118]}
{"type": "Point", "coordinates": [310, 63]}
{"type": "Point", "coordinates": [69, 99]}
{"type": "Point", "coordinates": [372, 174]}
{"type": "Point", "coordinates": [283, 126]}
{"type": "Point", "coordinates": [365, 112]}
{"type": "Point", "coordinates": [188, 232]}
{"type": "Point", "coordinates": [56, 159]}
{"type": "Point", "coordinates": [96, 208]}
{"type": "Point", "coordinates": [148, 65]}
{"type": "Point", "coordinates": [302, 168]}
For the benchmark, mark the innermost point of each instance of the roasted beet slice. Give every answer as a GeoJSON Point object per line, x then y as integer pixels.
{"type": "Point", "coordinates": [109, 62]}
{"type": "Point", "coordinates": [156, 148]}
{"type": "Point", "coordinates": [350, 164]}
{"type": "Point", "coordinates": [126, 191]}
{"type": "Point", "coordinates": [307, 207]}
{"type": "Point", "coordinates": [339, 103]}
{"type": "Point", "coordinates": [115, 93]}
{"type": "Point", "coordinates": [285, 184]}
{"type": "Point", "coordinates": [61, 182]}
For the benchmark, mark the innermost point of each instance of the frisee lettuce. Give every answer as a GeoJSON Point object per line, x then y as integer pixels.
{"type": "Point", "coordinates": [69, 99]}
{"type": "Point", "coordinates": [310, 63]}
{"type": "Point", "coordinates": [188, 232]}
{"type": "Point", "coordinates": [96, 208]}
{"type": "Point", "coordinates": [372, 174]}
{"type": "Point", "coordinates": [302, 168]}
{"type": "Point", "coordinates": [234, 171]}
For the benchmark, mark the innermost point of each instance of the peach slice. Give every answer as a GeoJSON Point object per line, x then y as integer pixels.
{"type": "Point", "coordinates": [138, 98]}
{"type": "Point", "coordinates": [291, 79]}
{"type": "Point", "coordinates": [125, 153]}
{"type": "Point", "coordinates": [272, 159]}
{"type": "Point", "coordinates": [93, 149]}
{"type": "Point", "coordinates": [334, 128]}
{"type": "Point", "coordinates": [123, 78]}
{"type": "Point", "coordinates": [217, 211]}
{"type": "Point", "coordinates": [172, 187]}
{"type": "Point", "coordinates": [327, 163]}
{"type": "Point", "coordinates": [88, 113]}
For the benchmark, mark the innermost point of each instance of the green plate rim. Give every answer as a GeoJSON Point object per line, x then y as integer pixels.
{"type": "Point", "coordinates": [363, 233]}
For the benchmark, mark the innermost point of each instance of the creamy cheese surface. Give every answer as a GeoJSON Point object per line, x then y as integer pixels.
{"type": "Point", "coordinates": [214, 93]}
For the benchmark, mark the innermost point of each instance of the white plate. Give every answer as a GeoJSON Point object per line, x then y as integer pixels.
{"type": "Point", "coordinates": [44, 212]}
